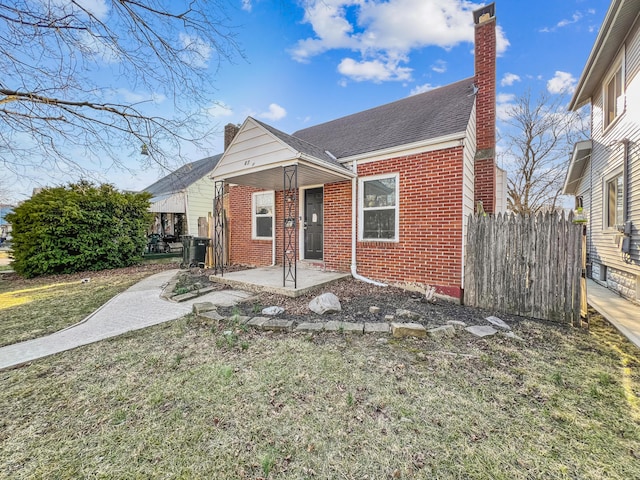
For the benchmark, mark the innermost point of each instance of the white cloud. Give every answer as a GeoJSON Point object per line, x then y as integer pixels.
{"type": "Point", "coordinates": [275, 112]}
{"type": "Point", "coordinates": [562, 82]}
{"type": "Point", "coordinates": [246, 5]}
{"type": "Point", "coordinates": [422, 88]}
{"type": "Point", "coordinates": [440, 66]}
{"type": "Point", "coordinates": [124, 95]}
{"type": "Point", "coordinates": [99, 8]}
{"type": "Point", "coordinates": [196, 51]}
{"type": "Point", "coordinates": [565, 22]}
{"type": "Point", "coordinates": [383, 30]}
{"type": "Point", "coordinates": [220, 109]}
{"type": "Point", "coordinates": [502, 42]}
{"type": "Point", "coordinates": [574, 19]}
{"type": "Point", "coordinates": [373, 70]}
{"type": "Point", "coordinates": [509, 79]}
{"type": "Point", "coordinates": [504, 104]}
{"type": "Point", "coordinates": [99, 48]}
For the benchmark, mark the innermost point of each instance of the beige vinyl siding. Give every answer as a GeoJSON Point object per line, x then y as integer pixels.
{"type": "Point", "coordinates": [607, 159]}
{"type": "Point", "coordinates": [199, 202]}
{"type": "Point", "coordinates": [468, 186]}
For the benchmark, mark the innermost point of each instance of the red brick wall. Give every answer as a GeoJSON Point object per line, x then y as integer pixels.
{"type": "Point", "coordinates": [337, 226]}
{"type": "Point", "coordinates": [243, 250]}
{"type": "Point", "coordinates": [485, 69]}
{"type": "Point", "coordinates": [429, 250]}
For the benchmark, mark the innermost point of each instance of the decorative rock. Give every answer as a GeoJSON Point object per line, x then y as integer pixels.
{"type": "Point", "coordinates": [376, 327]}
{"type": "Point", "coordinates": [513, 336]}
{"type": "Point", "coordinates": [212, 315]}
{"type": "Point", "coordinates": [257, 322]}
{"type": "Point", "coordinates": [278, 324]}
{"type": "Point", "coordinates": [481, 330]}
{"type": "Point", "coordinates": [310, 327]}
{"type": "Point", "coordinates": [240, 319]}
{"type": "Point", "coordinates": [203, 307]}
{"type": "Point", "coordinates": [272, 311]}
{"type": "Point", "coordinates": [374, 310]}
{"type": "Point", "coordinates": [382, 341]}
{"type": "Point", "coordinates": [388, 318]}
{"type": "Point", "coordinates": [443, 331]}
{"type": "Point", "coordinates": [408, 314]}
{"type": "Point", "coordinates": [325, 303]}
{"type": "Point", "coordinates": [408, 330]}
{"type": "Point", "coordinates": [185, 296]}
{"type": "Point", "coordinates": [457, 323]}
{"type": "Point", "coordinates": [498, 322]}
{"type": "Point", "coordinates": [344, 327]}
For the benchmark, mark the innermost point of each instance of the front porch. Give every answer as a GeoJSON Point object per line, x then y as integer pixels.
{"type": "Point", "coordinates": [269, 279]}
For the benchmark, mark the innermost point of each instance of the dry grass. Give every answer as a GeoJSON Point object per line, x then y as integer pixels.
{"type": "Point", "coordinates": [195, 400]}
{"type": "Point", "coordinates": [40, 306]}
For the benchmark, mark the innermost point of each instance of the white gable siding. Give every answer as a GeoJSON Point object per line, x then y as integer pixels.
{"type": "Point", "coordinates": [607, 158]}
{"type": "Point", "coordinates": [252, 148]}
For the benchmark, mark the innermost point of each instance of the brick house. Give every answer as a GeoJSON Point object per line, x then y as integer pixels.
{"type": "Point", "coordinates": [383, 193]}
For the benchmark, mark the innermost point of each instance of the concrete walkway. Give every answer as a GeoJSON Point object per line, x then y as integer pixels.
{"type": "Point", "coordinates": [138, 307]}
{"type": "Point", "coordinates": [621, 313]}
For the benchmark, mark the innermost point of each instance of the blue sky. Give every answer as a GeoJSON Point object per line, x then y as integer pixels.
{"type": "Point", "coordinates": [311, 61]}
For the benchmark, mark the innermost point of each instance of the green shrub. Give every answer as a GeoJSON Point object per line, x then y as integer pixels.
{"type": "Point", "coordinates": [79, 227]}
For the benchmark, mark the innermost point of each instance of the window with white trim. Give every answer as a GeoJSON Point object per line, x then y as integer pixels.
{"type": "Point", "coordinates": [262, 216]}
{"type": "Point", "coordinates": [614, 201]}
{"type": "Point", "coordinates": [379, 208]}
{"type": "Point", "coordinates": [613, 93]}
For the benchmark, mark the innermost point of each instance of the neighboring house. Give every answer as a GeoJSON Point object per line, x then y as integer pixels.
{"type": "Point", "coordinates": [604, 173]}
{"type": "Point", "coordinates": [182, 199]}
{"type": "Point", "coordinates": [5, 227]}
{"type": "Point", "coordinates": [384, 193]}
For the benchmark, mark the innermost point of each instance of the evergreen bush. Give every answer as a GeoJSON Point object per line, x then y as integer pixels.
{"type": "Point", "coordinates": [79, 227]}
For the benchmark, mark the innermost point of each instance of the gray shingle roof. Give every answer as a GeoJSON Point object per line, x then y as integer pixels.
{"type": "Point", "coordinates": [436, 113]}
{"type": "Point", "coordinates": [184, 176]}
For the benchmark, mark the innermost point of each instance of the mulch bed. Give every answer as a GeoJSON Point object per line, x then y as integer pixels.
{"type": "Point", "coordinates": [355, 297]}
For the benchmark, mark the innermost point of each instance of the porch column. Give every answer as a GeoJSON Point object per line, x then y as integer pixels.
{"type": "Point", "coordinates": [290, 230]}
{"type": "Point", "coordinates": [218, 228]}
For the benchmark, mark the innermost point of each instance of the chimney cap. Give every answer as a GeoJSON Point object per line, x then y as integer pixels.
{"type": "Point", "coordinates": [479, 16]}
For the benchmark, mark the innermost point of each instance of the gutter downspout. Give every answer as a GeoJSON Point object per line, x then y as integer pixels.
{"type": "Point", "coordinates": [354, 211]}
{"type": "Point", "coordinates": [625, 180]}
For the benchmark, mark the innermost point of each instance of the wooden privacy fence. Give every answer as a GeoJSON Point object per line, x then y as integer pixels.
{"type": "Point", "coordinates": [526, 265]}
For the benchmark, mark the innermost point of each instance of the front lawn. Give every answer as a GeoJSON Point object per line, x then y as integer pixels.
{"type": "Point", "coordinates": [31, 308]}
{"type": "Point", "coordinates": [195, 400]}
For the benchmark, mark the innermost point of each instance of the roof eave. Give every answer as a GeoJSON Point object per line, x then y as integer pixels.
{"type": "Point", "coordinates": [584, 89]}
{"type": "Point", "coordinates": [400, 149]}
{"type": "Point", "coordinates": [581, 152]}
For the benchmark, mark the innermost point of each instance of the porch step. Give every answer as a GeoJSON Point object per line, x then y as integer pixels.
{"type": "Point", "coordinates": [313, 265]}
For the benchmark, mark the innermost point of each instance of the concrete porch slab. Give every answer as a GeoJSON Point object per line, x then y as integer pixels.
{"type": "Point", "coordinates": [269, 279]}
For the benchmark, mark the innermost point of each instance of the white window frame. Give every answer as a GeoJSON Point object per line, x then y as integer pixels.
{"type": "Point", "coordinates": [612, 177]}
{"type": "Point", "coordinates": [362, 208]}
{"type": "Point", "coordinates": [618, 66]}
{"type": "Point", "coordinates": [255, 216]}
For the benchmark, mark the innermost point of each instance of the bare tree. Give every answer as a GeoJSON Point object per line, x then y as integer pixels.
{"type": "Point", "coordinates": [95, 78]}
{"type": "Point", "coordinates": [538, 136]}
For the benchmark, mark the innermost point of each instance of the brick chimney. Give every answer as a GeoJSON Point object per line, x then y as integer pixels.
{"type": "Point", "coordinates": [485, 69]}
{"type": "Point", "coordinates": [230, 132]}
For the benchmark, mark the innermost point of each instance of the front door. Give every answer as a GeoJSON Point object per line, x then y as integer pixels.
{"type": "Point", "coordinates": [313, 224]}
